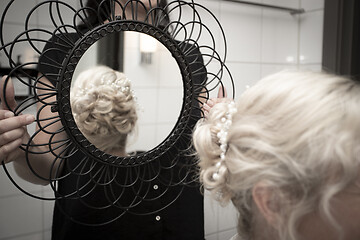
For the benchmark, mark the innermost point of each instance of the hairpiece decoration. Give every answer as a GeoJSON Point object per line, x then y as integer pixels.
{"type": "Point", "coordinates": [122, 85]}
{"type": "Point", "coordinates": [118, 84]}
{"type": "Point", "coordinates": [224, 126]}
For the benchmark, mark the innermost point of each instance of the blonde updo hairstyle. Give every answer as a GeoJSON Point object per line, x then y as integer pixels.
{"type": "Point", "coordinates": [104, 107]}
{"type": "Point", "coordinates": [296, 132]}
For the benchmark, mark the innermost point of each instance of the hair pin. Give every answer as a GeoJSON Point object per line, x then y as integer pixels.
{"type": "Point", "coordinates": [224, 125]}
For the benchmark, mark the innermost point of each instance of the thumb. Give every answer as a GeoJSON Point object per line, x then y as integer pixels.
{"type": "Point", "coordinates": [222, 92]}
{"type": "Point", "coordinates": [7, 100]}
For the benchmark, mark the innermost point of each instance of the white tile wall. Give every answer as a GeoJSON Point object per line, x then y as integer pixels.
{"type": "Point", "coordinates": [311, 25]}
{"type": "Point", "coordinates": [227, 234]}
{"type": "Point", "coordinates": [35, 236]}
{"type": "Point", "coordinates": [46, 235]}
{"type": "Point", "coordinates": [165, 78]}
{"type": "Point", "coordinates": [20, 7]}
{"type": "Point", "coordinates": [47, 206]}
{"type": "Point", "coordinates": [260, 42]}
{"type": "Point", "coordinates": [311, 67]}
{"type": "Point", "coordinates": [283, 3]}
{"type": "Point", "coordinates": [146, 76]}
{"type": "Point", "coordinates": [211, 215]}
{"type": "Point", "coordinates": [66, 7]}
{"type": "Point", "coordinates": [17, 15]}
{"type": "Point", "coordinates": [146, 141]}
{"type": "Point", "coordinates": [227, 217]}
{"type": "Point", "coordinates": [171, 100]}
{"type": "Point", "coordinates": [242, 26]}
{"type": "Point", "coordinates": [274, 46]}
{"type": "Point", "coordinates": [267, 69]}
{"type": "Point", "coordinates": [20, 215]}
{"type": "Point", "coordinates": [244, 74]}
{"type": "Point", "coordinates": [212, 237]}
{"type": "Point", "coordinates": [162, 131]}
{"type": "Point", "coordinates": [23, 217]}
{"type": "Point", "coordinates": [147, 100]}
{"type": "Point", "coordinates": [13, 31]}
{"type": "Point", "coordinates": [7, 189]}
{"type": "Point", "coordinates": [311, 5]}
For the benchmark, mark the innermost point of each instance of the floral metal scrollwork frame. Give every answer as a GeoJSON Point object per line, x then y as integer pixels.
{"type": "Point", "coordinates": [169, 163]}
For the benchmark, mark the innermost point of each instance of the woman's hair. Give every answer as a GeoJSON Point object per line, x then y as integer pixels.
{"type": "Point", "coordinates": [296, 132]}
{"type": "Point", "coordinates": [104, 107]}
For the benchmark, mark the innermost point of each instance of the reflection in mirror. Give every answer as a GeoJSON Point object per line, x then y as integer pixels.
{"type": "Point", "coordinates": [156, 85]}
{"type": "Point", "coordinates": [104, 108]}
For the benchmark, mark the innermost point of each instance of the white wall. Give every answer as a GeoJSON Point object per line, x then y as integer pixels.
{"type": "Point", "coordinates": [260, 42]}
{"type": "Point", "coordinates": [23, 217]}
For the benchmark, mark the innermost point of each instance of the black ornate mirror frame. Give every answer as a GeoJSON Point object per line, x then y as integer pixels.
{"type": "Point", "coordinates": [169, 164]}
{"type": "Point", "coordinates": [67, 75]}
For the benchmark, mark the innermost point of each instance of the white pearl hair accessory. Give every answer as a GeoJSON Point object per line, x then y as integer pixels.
{"type": "Point", "coordinates": [224, 126]}
{"type": "Point", "coordinates": [119, 84]}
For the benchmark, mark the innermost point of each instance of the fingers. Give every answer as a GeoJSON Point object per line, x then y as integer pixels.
{"type": "Point", "coordinates": [206, 108]}
{"type": "Point", "coordinates": [11, 136]}
{"type": "Point", "coordinates": [6, 114]}
{"type": "Point", "coordinates": [9, 123]}
{"type": "Point", "coordinates": [221, 97]}
{"type": "Point", "coordinates": [8, 148]}
{"type": "Point", "coordinates": [222, 92]}
{"type": "Point", "coordinates": [12, 132]}
{"type": "Point", "coordinates": [210, 102]}
{"type": "Point", "coordinates": [9, 93]}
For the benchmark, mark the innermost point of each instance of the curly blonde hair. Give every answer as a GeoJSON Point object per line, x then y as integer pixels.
{"type": "Point", "coordinates": [104, 107]}
{"type": "Point", "coordinates": [299, 133]}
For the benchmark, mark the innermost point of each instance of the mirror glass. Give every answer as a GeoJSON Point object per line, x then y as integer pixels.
{"type": "Point", "coordinates": [156, 86]}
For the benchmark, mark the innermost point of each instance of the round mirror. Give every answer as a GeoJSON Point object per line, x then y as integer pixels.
{"type": "Point", "coordinates": [147, 79]}
{"type": "Point", "coordinates": [164, 89]}
{"type": "Point", "coordinates": [173, 60]}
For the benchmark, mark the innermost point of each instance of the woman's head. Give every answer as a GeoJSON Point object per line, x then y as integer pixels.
{"type": "Point", "coordinates": [104, 107]}
{"type": "Point", "coordinates": [293, 149]}
{"type": "Point", "coordinates": [99, 11]}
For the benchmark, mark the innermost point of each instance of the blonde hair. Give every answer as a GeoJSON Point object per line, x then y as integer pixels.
{"type": "Point", "coordinates": [299, 133]}
{"type": "Point", "coordinates": [104, 107]}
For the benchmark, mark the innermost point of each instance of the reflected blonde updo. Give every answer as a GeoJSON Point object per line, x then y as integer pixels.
{"type": "Point", "coordinates": [298, 134]}
{"type": "Point", "coordinates": [104, 107]}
